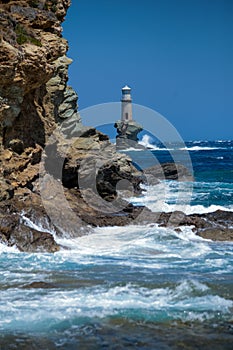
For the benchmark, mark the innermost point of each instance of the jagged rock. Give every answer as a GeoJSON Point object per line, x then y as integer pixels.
{"type": "Point", "coordinates": [6, 154]}
{"type": "Point", "coordinates": [21, 170]}
{"type": "Point", "coordinates": [69, 105]}
{"type": "Point", "coordinates": [167, 171]}
{"type": "Point", "coordinates": [14, 232]}
{"type": "Point", "coordinates": [27, 239]}
{"type": "Point", "coordinates": [31, 44]}
{"type": "Point", "coordinates": [216, 226]}
{"type": "Point", "coordinates": [90, 162]}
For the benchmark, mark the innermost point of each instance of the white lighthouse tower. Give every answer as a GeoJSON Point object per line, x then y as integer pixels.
{"type": "Point", "coordinates": [126, 104]}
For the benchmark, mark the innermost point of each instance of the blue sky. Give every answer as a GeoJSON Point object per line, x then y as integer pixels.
{"type": "Point", "coordinates": [177, 56]}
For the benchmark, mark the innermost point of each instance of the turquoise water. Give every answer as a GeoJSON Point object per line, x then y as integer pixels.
{"type": "Point", "coordinates": [137, 287]}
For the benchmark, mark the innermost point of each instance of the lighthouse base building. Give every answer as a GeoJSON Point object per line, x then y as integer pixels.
{"type": "Point", "coordinates": [127, 128]}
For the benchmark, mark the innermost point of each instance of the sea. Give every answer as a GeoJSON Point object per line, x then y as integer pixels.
{"type": "Point", "coordinates": [135, 287]}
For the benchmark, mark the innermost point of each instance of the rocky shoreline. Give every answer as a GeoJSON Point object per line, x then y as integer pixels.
{"type": "Point", "coordinates": [25, 224]}
{"type": "Point", "coordinates": [58, 177]}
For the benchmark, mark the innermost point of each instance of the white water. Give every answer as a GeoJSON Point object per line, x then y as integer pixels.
{"type": "Point", "coordinates": [168, 196]}
{"type": "Point", "coordinates": [146, 272]}
{"type": "Point", "coordinates": [146, 142]}
{"type": "Point", "coordinates": [189, 300]}
{"type": "Point", "coordinates": [199, 148]}
{"type": "Point", "coordinates": [147, 275]}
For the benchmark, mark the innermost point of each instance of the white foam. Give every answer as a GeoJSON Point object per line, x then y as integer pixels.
{"type": "Point", "coordinates": [199, 148]}
{"type": "Point", "coordinates": [143, 246]}
{"type": "Point", "coordinates": [132, 149]}
{"type": "Point", "coordinates": [30, 309]}
{"type": "Point", "coordinates": [146, 142]}
{"type": "Point", "coordinates": [5, 249]}
{"type": "Point", "coordinates": [169, 196]}
{"type": "Point", "coordinates": [38, 226]}
{"type": "Point", "coordinates": [191, 209]}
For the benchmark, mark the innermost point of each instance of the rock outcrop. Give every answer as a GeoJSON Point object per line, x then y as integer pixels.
{"type": "Point", "coordinates": [127, 134]}
{"type": "Point", "coordinates": [38, 116]}
{"type": "Point", "coordinates": [15, 230]}
{"type": "Point", "coordinates": [34, 76]}
{"type": "Point", "coordinates": [167, 171]}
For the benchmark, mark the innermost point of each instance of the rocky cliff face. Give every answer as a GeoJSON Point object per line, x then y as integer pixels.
{"type": "Point", "coordinates": [33, 83]}
{"type": "Point", "coordinates": [33, 69]}
{"type": "Point", "coordinates": [35, 101]}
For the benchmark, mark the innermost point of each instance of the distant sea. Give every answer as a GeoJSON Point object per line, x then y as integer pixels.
{"type": "Point", "coordinates": [135, 287]}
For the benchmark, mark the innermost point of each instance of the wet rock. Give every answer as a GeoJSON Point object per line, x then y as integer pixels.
{"type": "Point", "coordinates": [167, 171]}
{"type": "Point", "coordinates": [28, 239]}
{"type": "Point", "coordinates": [39, 285]}
{"type": "Point", "coordinates": [14, 230]}
{"type": "Point", "coordinates": [220, 217]}
{"type": "Point", "coordinates": [216, 234]}
{"type": "Point", "coordinates": [216, 226]}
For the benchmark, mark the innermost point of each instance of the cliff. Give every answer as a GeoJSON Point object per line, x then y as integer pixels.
{"type": "Point", "coordinates": [33, 84]}
{"type": "Point", "coordinates": [35, 103]}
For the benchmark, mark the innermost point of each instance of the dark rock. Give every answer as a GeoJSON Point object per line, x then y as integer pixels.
{"type": "Point", "coordinates": [14, 231]}
{"type": "Point", "coordinates": [27, 239]}
{"type": "Point", "coordinates": [220, 216]}
{"type": "Point", "coordinates": [16, 145]}
{"type": "Point", "coordinates": [216, 234]}
{"type": "Point", "coordinates": [216, 226]}
{"type": "Point", "coordinates": [39, 285]}
{"type": "Point", "coordinates": [6, 190]}
{"type": "Point", "coordinates": [91, 162]}
{"type": "Point", "coordinates": [167, 171]}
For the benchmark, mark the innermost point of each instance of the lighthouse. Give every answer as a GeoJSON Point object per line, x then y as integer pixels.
{"type": "Point", "coordinates": [127, 128]}
{"type": "Point", "coordinates": [126, 104]}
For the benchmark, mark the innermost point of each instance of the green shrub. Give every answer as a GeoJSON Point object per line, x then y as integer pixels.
{"type": "Point", "coordinates": [23, 37]}
{"type": "Point", "coordinates": [34, 3]}
{"type": "Point", "coordinates": [21, 34]}
{"type": "Point", "coordinates": [34, 41]}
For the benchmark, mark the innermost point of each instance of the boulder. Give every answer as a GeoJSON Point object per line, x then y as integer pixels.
{"type": "Point", "coordinates": [167, 171]}
{"type": "Point", "coordinates": [216, 234]}
{"type": "Point", "coordinates": [16, 231]}
{"type": "Point", "coordinates": [127, 134]}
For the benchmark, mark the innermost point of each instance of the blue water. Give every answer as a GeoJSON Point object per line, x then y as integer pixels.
{"type": "Point", "coordinates": [137, 287]}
